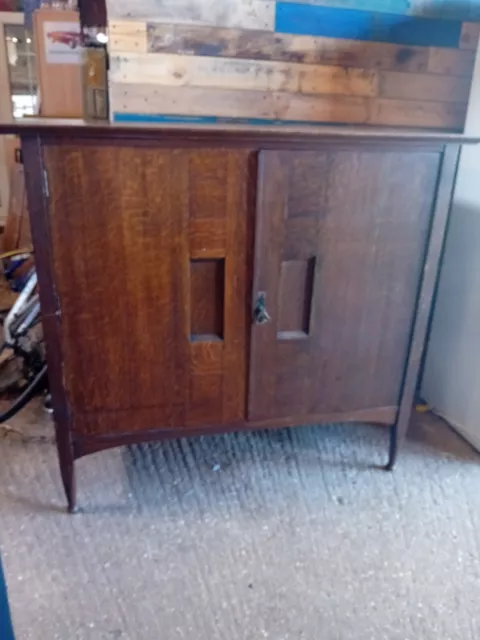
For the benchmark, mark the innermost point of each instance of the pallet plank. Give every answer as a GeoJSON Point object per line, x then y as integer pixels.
{"type": "Point", "coordinates": [193, 101]}
{"type": "Point", "coordinates": [428, 115]}
{"type": "Point", "coordinates": [468, 10]}
{"type": "Point", "coordinates": [451, 62]}
{"type": "Point", "coordinates": [421, 86]}
{"type": "Point", "coordinates": [262, 45]}
{"type": "Point", "coordinates": [315, 20]}
{"type": "Point", "coordinates": [226, 73]}
{"type": "Point", "coordinates": [245, 14]}
{"type": "Point", "coordinates": [127, 36]}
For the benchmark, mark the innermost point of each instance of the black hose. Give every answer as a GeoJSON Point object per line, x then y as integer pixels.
{"type": "Point", "coordinates": [26, 396]}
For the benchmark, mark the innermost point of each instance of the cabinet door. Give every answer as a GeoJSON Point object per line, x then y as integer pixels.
{"type": "Point", "coordinates": [149, 263]}
{"type": "Point", "coordinates": [340, 243]}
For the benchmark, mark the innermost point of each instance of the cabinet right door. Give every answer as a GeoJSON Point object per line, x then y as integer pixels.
{"type": "Point", "coordinates": [341, 237]}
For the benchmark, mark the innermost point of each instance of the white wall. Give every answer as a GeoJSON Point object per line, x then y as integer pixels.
{"type": "Point", "coordinates": [451, 383]}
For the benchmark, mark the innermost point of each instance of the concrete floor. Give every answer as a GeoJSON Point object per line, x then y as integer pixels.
{"type": "Point", "coordinates": [287, 535]}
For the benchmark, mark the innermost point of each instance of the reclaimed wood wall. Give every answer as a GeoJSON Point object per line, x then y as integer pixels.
{"type": "Point", "coordinates": [263, 61]}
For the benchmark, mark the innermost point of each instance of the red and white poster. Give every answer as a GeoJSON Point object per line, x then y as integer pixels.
{"type": "Point", "coordinates": [63, 42]}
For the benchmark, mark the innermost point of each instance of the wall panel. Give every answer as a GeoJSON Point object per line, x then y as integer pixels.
{"type": "Point", "coordinates": [392, 63]}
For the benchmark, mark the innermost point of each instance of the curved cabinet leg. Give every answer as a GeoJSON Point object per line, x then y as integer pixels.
{"type": "Point", "coordinates": [398, 431]}
{"type": "Point", "coordinates": [67, 470]}
{"type": "Point", "coordinates": [393, 447]}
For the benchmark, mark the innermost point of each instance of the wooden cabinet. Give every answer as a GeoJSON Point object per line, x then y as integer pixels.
{"type": "Point", "coordinates": [196, 281]}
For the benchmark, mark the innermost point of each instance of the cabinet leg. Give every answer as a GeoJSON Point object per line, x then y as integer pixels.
{"type": "Point", "coordinates": [398, 431]}
{"type": "Point", "coordinates": [393, 447]}
{"type": "Point", "coordinates": [67, 470]}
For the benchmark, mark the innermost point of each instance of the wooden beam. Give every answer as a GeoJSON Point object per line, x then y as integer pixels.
{"type": "Point", "coordinates": [451, 62]}
{"type": "Point", "coordinates": [244, 14]}
{"type": "Point", "coordinates": [226, 73]}
{"type": "Point", "coordinates": [421, 86]}
{"type": "Point", "coordinates": [193, 101]}
{"type": "Point", "coordinates": [262, 45]}
{"type": "Point", "coordinates": [127, 36]}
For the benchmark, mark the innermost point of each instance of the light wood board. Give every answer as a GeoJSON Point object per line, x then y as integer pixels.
{"type": "Point", "coordinates": [147, 99]}
{"type": "Point", "coordinates": [245, 14]}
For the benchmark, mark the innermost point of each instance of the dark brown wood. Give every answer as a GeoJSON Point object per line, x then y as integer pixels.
{"type": "Point", "coordinates": [116, 221]}
{"type": "Point", "coordinates": [93, 13]}
{"type": "Point", "coordinates": [207, 286]}
{"type": "Point", "coordinates": [382, 417]}
{"type": "Point", "coordinates": [424, 306]}
{"type": "Point", "coordinates": [235, 135]}
{"type": "Point", "coordinates": [342, 344]}
{"type": "Point", "coordinates": [134, 291]}
{"type": "Point", "coordinates": [144, 246]}
{"type": "Point", "coordinates": [51, 320]}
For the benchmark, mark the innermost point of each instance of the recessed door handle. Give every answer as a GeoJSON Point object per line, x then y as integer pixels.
{"type": "Point", "coordinates": [260, 313]}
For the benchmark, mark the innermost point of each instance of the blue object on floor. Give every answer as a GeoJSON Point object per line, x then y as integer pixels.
{"type": "Point", "coordinates": [6, 629]}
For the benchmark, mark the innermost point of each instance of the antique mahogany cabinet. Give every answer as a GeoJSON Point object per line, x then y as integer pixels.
{"type": "Point", "coordinates": [195, 280]}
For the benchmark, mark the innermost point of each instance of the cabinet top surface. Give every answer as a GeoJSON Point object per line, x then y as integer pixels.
{"type": "Point", "coordinates": [65, 128]}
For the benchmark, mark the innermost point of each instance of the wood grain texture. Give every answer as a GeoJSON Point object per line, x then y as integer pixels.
{"type": "Point", "coordinates": [51, 323]}
{"type": "Point", "coordinates": [117, 193]}
{"type": "Point", "coordinates": [127, 254]}
{"type": "Point", "coordinates": [127, 36]}
{"type": "Point", "coordinates": [223, 135]}
{"type": "Point", "coordinates": [137, 99]}
{"type": "Point", "coordinates": [422, 86]}
{"type": "Point", "coordinates": [295, 54]}
{"type": "Point", "coordinates": [207, 290]}
{"type": "Point", "coordinates": [245, 14]}
{"type": "Point", "coordinates": [220, 73]}
{"type": "Point", "coordinates": [207, 238]}
{"type": "Point", "coordinates": [295, 298]}
{"type": "Point", "coordinates": [86, 445]}
{"type": "Point", "coordinates": [354, 354]}
{"type": "Point", "coordinates": [451, 62]}
{"type": "Point", "coordinates": [405, 113]}
{"type": "Point", "coordinates": [262, 45]}
{"type": "Point", "coordinates": [142, 254]}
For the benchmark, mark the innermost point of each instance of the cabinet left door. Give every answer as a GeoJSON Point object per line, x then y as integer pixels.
{"type": "Point", "coordinates": [149, 258]}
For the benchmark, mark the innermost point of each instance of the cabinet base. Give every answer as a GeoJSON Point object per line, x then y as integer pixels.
{"type": "Point", "coordinates": [85, 445]}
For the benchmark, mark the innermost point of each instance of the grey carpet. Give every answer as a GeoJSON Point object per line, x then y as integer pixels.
{"type": "Point", "coordinates": [287, 535]}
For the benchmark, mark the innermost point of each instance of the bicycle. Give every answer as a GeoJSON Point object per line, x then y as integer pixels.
{"type": "Point", "coordinates": [22, 332]}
